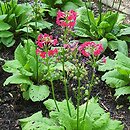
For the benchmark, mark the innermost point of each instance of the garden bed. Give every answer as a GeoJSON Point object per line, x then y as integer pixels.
{"type": "Point", "coordinates": [14, 107]}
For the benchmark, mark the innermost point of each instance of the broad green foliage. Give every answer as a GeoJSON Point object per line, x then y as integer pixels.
{"type": "Point", "coordinates": [18, 19]}
{"type": "Point", "coordinates": [30, 71]}
{"type": "Point", "coordinates": [118, 75]}
{"type": "Point", "coordinates": [54, 5]}
{"type": "Point", "coordinates": [109, 26]}
{"type": "Point", "coordinates": [96, 118]}
{"type": "Point", "coordinates": [24, 72]}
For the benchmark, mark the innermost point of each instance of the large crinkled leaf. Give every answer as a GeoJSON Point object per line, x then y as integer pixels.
{"type": "Point", "coordinates": [112, 125]}
{"type": "Point", "coordinates": [38, 122]}
{"type": "Point", "coordinates": [102, 121]}
{"type": "Point", "coordinates": [119, 45]}
{"type": "Point", "coordinates": [11, 66]}
{"type": "Point", "coordinates": [4, 26]}
{"type": "Point", "coordinates": [35, 117]}
{"type": "Point", "coordinates": [2, 17]}
{"type": "Point", "coordinates": [115, 79]}
{"type": "Point", "coordinates": [109, 65]}
{"type": "Point", "coordinates": [123, 47]}
{"type": "Point", "coordinates": [86, 124]}
{"type": "Point", "coordinates": [125, 31]}
{"type": "Point", "coordinates": [70, 5]}
{"type": "Point", "coordinates": [63, 119]}
{"type": "Point", "coordinates": [122, 59]}
{"type": "Point", "coordinates": [14, 66]}
{"type": "Point", "coordinates": [17, 79]}
{"type": "Point", "coordinates": [6, 34]}
{"type": "Point", "coordinates": [20, 54]}
{"type": "Point", "coordinates": [38, 93]}
{"type": "Point", "coordinates": [122, 91]}
{"type": "Point", "coordinates": [50, 105]}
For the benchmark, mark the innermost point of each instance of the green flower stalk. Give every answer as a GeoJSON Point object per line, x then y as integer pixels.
{"type": "Point", "coordinates": [92, 51]}
{"type": "Point", "coordinates": [67, 21]}
{"type": "Point", "coordinates": [64, 74]}
{"type": "Point", "coordinates": [44, 43]}
{"type": "Point", "coordinates": [51, 80]}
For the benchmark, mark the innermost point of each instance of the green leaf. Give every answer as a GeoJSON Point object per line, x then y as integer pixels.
{"type": "Point", "coordinates": [122, 61]}
{"type": "Point", "coordinates": [38, 93]}
{"type": "Point", "coordinates": [11, 66]}
{"type": "Point", "coordinates": [104, 43]}
{"type": "Point", "coordinates": [110, 36]}
{"type": "Point", "coordinates": [4, 26]}
{"type": "Point", "coordinates": [102, 121]}
{"type": "Point", "coordinates": [115, 79]}
{"type": "Point", "coordinates": [104, 25]}
{"type": "Point", "coordinates": [17, 79]}
{"type": "Point", "coordinates": [53, 12]}
{"type": "Point", "coordinates": [85, 124]}
{"type": "Point", "coordinates": [6, 34]}
{"type": "Point", "coordinates": [122, 91]}
{"type": "Point", "coordinates": [125, 31]}
{"type": "Point", "coordinates": [2, 17]}
{"type": "Point", "coordinates": [122, 47]}
{"type": "Point", "coordinates": [109, 65]}
{"type": "Point", "coordinates": [20, 54]}
{"type": "Point", "coordinates": [35, 117]}
{"type": "Point", "coordinates": [69, 6]}
{"type": "Point", "coordinates": [7, 41]}
{"type": "Point", "coordinates": [50, 105]}
{"type": "Point", "coordinates": [58, 2]}
{"type": "Point", "coordinates": [119, 45]}
{"type": "Point", "coordinates": [25, 29]}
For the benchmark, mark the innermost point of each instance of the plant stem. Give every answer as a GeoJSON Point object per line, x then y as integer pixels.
{"type": "Point", "coordinates": [89, 91]}
{"type": "Point", "coordinates": [64, 75]}
{"type": "Point", "coordinates": [53, 94]}
{"type": "Point", "coordinates": [78, 97]}
{"type": "Point", "coordinates": [51, 80]}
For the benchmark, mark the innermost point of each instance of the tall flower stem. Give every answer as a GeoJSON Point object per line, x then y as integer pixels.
{"type": "Point", "coordinates": [78, 97]}
{"type": "Point", "coordinates": [89, 90]}
{"type": "Point", "coordinates": [52, 85]}
{"type": "Point", "coordinates": [64, 74]}
{"type": "Point", "coordinates": [53, 94]}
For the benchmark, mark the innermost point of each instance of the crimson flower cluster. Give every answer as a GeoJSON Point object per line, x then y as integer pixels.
{"type": "Point", "coordinates": [66, 19]}
{"type": "Point", "coordinates": [44, 42]}
{"type": "Point", "coordinates": [90, 48]}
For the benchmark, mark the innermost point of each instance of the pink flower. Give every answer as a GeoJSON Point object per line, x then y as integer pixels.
{"type": "Point", "coordinates": [52, 52]}
{"type": "Point", "coordinates": [45, 40]}
{"type": "Point", "coordinates": [91, 48]}
{"type": "Point", "coordinates": [38, 51]}
{"type": "Point", "coordinates": [43, 55]}
{"type": "Point", "coordinates": [55, 51]}
{"type": "Point", "coordinates": [66, 19]}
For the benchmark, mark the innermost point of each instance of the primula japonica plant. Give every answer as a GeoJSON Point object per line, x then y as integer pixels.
{"type": "Point", "coordinates": [30, 67]}
{"type": "Point", "coordinates": [107, 27]}
{"type": "Point", "coordinates": [63, 115]}
{"type": "Point", "coordinates": [117, 75]}
{"type": "Point", "coordinates": [17, 21]}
